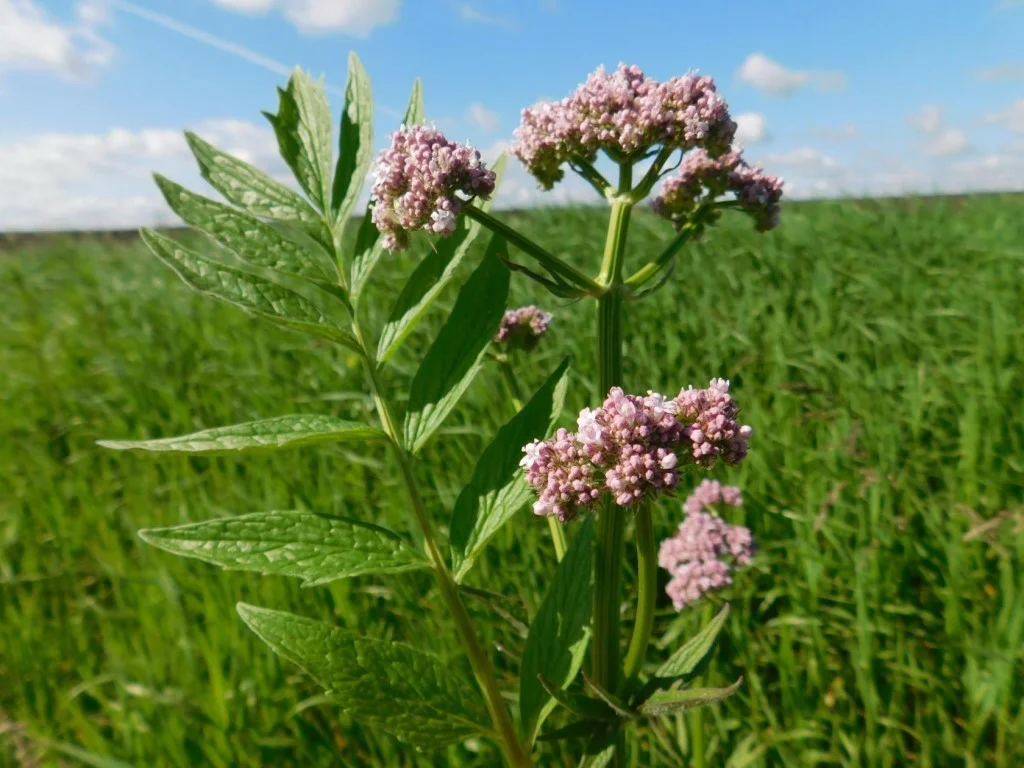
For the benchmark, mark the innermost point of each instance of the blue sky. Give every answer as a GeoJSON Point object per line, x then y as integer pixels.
{"type": "Point", "coordinates": [875, 97]}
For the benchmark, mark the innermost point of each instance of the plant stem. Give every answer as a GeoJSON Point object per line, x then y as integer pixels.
{"type": "Point", "coordinates": [695, 717]}
{"type": "Point", "coordinates": [557, 534]}
{"type": "Point", "coordinates": [515, 754]}
{"type": "Point", "coordinates": [608, 547]}
{"type": "Point", "coordinates": [647, 577]}
{"type": "Point", "coordinates": [548, 260]}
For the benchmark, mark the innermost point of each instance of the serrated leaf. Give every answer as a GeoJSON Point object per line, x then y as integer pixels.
{"type": "Point", "coordinates": [254, 191]}
{"type": "Point", "coordinates": [367, 252]}
{"type": "Point", "coordinates": [246, 236]}
{"type": "Point", "coordinates": [617, 705]}
{"type": "Point", "coordinates": [453, 360]}
{"type": "Point", "coordinates": [663, 703]}
{"type": "Point", "coordinates": [399, 689]}
{"type": "Point", "coordinates": [559, 634]}
{"type": "Point", "coordinates": [578, 704]}
{"type": "Point", "coordinates": [303, 129]}
{"type": "Point", "coordinates": [273, 434]}
{"type": "Point", "coordinates": [497, 489]}
{"type": "Point", "coordinates": [430, 277]}
{"type": "Point", "coordinates": [315, 548]}
{"type": "Point", "coordinates": [355, 151]}
{"type": "Point", "coordinates": [688, 657]}
{"type": "Point", "coordinates": [271, 301]}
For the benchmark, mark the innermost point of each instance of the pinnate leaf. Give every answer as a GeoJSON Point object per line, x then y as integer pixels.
{"type": "Point", "coordinates": [254, 191]}
{"type": "Point", "coordinates": [246, 236]}
{"type": "Point", "coordinates": [303, 129]}
{"type": "Point", "coordinates": [263, 298]}
{"type": "Point", "coordinates": [663, 703]}
{"type": "Point", "coordinates": [453, 360]}
{"type": "Point", "coordinates": [266, 435]}
{"type": "Point", "coordinates": [696, 650]}
{"type": "Point", "coordinates": [355, 153]}
{"type": "Point", "coordinates": [497, 489]}
{"type": "Point", "coordinates": [405, 692]}
{"type": "Point", "coordinates": [430, 277]}
{"type": "Point", "coordinates": [559, 634]}
{"type": "Point", "coordinates": [316, 548]}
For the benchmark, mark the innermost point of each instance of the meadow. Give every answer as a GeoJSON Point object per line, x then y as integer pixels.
{"type": "Point", "coordinates": [877, 348]}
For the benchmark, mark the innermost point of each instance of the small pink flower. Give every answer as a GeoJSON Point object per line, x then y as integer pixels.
{"type": "Point", "coordinates": [522, 328]}
{"type": "Point", "coordinates": [417, 179]}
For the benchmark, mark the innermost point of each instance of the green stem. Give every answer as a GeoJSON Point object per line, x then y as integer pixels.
{"type": "Point", "coordinates": [548, 260]}
{"type": "Point", "coordinates": [695, 717]}
{"type": "Point", "coordinates": [557, 534]}
{"type": "Point", "coordinates": [647, 577]}
{"type": "Point", "coordinates": [514, 751]}
{"type": "Point", "coordinates": [608, 547]}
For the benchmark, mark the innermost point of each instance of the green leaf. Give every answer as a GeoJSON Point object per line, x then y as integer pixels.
{"type": "Point", "coordinates": [303, 128]}
{"type": "Point", "coordinates": [316, 548]}
{"type": "Point", "coordinates": [368, 250]}
{"type": "Point", "coordinates": [693, 653]}
{"type": "Point", "coordinates": [369, 247]}
{"type": "Point", "coordinates": [265, 435]}
{"type": "Point", "coordinates": [669, 702]}
{"type": "Point", "coordinates": [617, 705]}
{"type": "Point", "coordinates": [271, 301]}
{"type": "Point", "coordinates": [560, 632]}
{"type": "Point", "coordinates": [453, 360]}
{"type": "Point", "coordinates": [399, 689]}
{"type": "Point", "coordinates": [578, 704]}
{"type": "Point", "coordinates": [497, 489]}
{"type": "Point", "coordinates": [429, 278]}
{"type": "Point", "coordinates": [254, 191]}
{"type": "Point", "coordinates": [577, 729]}
{"type": "Point", "coordinates": [414, 110]}
{"type": "Point", "coordinates": [355, 143]}
{"type": "Point", "coordinates": [246, 236]}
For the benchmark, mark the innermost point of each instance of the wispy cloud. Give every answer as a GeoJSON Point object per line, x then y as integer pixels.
{"type": "Point", "coordinates": [773, 78]}
{"type": "Point", "coordinates": [1004, 72]}
{"type": "Point", "coordinates": [470, 13]}
{"type": "Point", "coordinates": [219, 43]}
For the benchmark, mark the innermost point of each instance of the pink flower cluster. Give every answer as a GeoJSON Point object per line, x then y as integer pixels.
{"type": "Point", "coordinates": [631, 448]}
{"type": "Point", "coordinates": [623, 113]}
{"type": "Point", "coordinates": [417, 178]}
{"type": "Point", "coordinates": [703, 178]}
{"type": "Point", "coordinates": [705, 550]}
{"type": "Point", "coordinates": [522, 328]}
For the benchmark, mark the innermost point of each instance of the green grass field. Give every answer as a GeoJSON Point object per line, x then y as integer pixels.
{"type": "Point", "coordinates": [876, 348]}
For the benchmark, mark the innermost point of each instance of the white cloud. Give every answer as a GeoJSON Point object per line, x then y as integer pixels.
{"type": "Point", "coordinates": [483, 118]}
{"type": "Point", "coordinates": [472, 14]}
{"type": "Point", "coordinates": [806, 159]}
{"type": "Point", "coordinates": [848, 131]}
{"type": "Point", "coordinates": [927, 119]}
{"type": "Point", "coordinates": [751, 128]}
{"type": "Point", "coordinates": [1003, 72]}
{"type": "Point", "coordinates": [774, 79]}
{"type": "Point", "coordinates": [103, 181]}
{"type": "Point", "coordinates": [950, 141]}
{"type": "Point", "coordinates": [357, 18]}
{"type": "Point", "coordinates": [1012, 117]}
{"type": "Point", "coordinates": [938, 139]}
{"type": "Point", "coordinates": [31, 40]}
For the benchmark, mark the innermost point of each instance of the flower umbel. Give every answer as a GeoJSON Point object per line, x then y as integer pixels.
{"type": "Point", "coordinates": [632, 447]}
{"type": "Point", "coordinates": [705, 550]}
{"type": "Point", "coordinates": [522, 328]}
{"type": "Point", "coordinates": [703, 178]}
{"type": "Point", "coordinates": [417, 179]}
{"type": "Point", "coordinates": [623, 113]}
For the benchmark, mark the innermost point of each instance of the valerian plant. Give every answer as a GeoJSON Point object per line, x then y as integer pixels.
{"type": "Point", "coordinates": [278, 255]}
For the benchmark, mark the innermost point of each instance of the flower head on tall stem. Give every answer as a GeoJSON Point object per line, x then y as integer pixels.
{"type": "Point", "coordinates": [417, 179]}
{"type": "Point", "coordinates": [705, 550]}
{"type": "Point", "coordinates": [703, 178]}
{"type": "Point", "coordinates": [522, 328]}
{"type": "Point", "coordinates": [632, 448]}
{"type": "Point", "coordinates": [623, 113]}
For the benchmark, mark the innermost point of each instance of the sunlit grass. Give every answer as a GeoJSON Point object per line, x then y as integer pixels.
{"type": "Point", "coordinates": [877, 349]}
